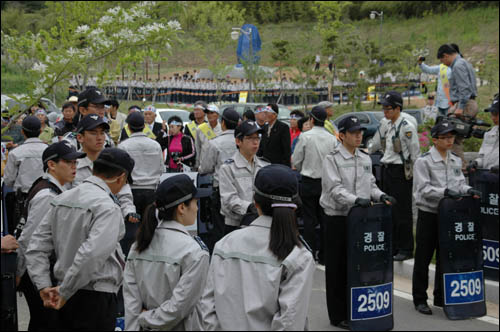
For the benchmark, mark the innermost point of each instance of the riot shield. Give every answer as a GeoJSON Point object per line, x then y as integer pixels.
{"type": "Point", "coordinates": [487, 182]}
{"type": "Point", "coordinates": [460, 244]}
{"type": "Point", "coordinates": [370, 268]}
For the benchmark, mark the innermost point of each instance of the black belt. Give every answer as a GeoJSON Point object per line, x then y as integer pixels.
{"type": "Point", "coordinates": [392, 165]}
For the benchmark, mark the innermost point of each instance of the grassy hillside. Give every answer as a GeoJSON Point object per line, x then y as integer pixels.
{"type": "Point", "coordinates": [476, 31]}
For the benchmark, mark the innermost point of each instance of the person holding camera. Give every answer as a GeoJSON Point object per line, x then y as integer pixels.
{"type": "Point", "coordinates": [178, 147]}
{"type": "Point", "coordinates": [438, 174]}
{"type": "Point", "coordinates": [463, 90]}
{"type": "Point", "coordinates": [397, 137]}
{"type": "Point", "coordinates": [488, 154]}
{"type": "Point", "coordinates": [443, 84]}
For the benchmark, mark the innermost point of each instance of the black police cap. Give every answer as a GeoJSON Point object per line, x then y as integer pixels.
{"type": "Point", "coordinates": [391, 98]}
{"type": "Point", "coordinates": [92, 95]}
{"type": "Point", "coordinates": [176, 190]}
{"type": "Point", "coordinates": [247, 128]}
{"type": "Point", "coordinates": [318, 113]}
{"type": "Point", "coordinates": [61, 150]}
{"type": "Point", "coordinates": [230, 115]}
{"type": "Point", "coordinates": [136, 121]}
{"type": "Point", "coordinates": [493, 107]}
{"type": "Point", "coordinates": [32, 124]}
{"type": "Point", "coordinates": [117, 158]}
{"type": "Point", "coordinates": [278, 183]}
{"type": "Point", "coordinates": [442, 127]}
{"type": "Point", "coordinates": [350, 124]}
{"type": "Point", "coordinates": [90, 122]}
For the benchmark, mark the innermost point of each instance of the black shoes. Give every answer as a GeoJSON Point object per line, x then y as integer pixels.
{"type": "Point", "coordinates": [402, 256]}
{"type": "Point", "coordinates": [423, 309]}
{"type": "Point", "coordinates": [342, 325]}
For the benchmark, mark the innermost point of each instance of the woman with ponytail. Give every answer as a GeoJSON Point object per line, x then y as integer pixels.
{"type": "Point", "coordinates": [166, 268]}
{"type": "Point", "coordinates": [261, 276]}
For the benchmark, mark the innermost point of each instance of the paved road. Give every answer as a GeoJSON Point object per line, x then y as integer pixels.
{"type": "Point", "coordinates": [405, 316]}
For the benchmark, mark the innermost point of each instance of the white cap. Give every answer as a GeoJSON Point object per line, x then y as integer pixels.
{"type": "Point", "coordinates": [213, 108]}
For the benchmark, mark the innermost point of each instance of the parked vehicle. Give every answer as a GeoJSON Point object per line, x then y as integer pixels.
{"type": "Point", "coordinates": [163, 114]}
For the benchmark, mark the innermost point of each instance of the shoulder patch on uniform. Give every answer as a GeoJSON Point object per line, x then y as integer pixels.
{"type": "Point", "coordinates": [201, 243]}
{"type": "Point", "coordinates": [409, 134]}
{"type": "Point", "coordinates": [229, 161]}
{"type": "Point", "coordinates": [305, 244]}
{"type": "Point", "coordinates": [115, 200]}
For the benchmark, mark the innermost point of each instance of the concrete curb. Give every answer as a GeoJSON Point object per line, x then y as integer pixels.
{"type": "Point", "coordinates": [405, 269]}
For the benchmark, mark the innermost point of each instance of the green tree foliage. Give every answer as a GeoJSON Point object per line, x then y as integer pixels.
{"type": "Point", "coordinates": [211, 31]}
{"type": "Point", "coordinates": [91, 40]}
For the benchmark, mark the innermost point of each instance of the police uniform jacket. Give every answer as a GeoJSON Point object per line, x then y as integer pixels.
{"type": "Point", "coordinates": [311, 150]}
{"type": "Point", "coordinates": [24, 165]}
{"type": "Point", "coordinates": [220, 149]}
{"type": "Point", "coordinates": [84, 169]}
{"type": "Point", "coordinates": [148, 158]}
{"type": "Point", "coordinates": [346, 177]}
{"type": "Point", "coordinates": [38, 206]}
{"type": "Point", "coordinates": [83, 226]}
{"type": "Point", "coordinates": [432, 176]}
{"type": "Point", "coordinates": [409, 141]}
{"type": "Point", "coordinates": [248, 288]}
{"type": "Point", "coordinates": [236, 179]}
{"type": "Point", "coordinates": [167, 279]}
{"type": "Point", "coordinates": [71, 137]}
{"type": "Point", "coordinates": [202, 141]}
{"type": "Point", "coordinates": [488, 154]}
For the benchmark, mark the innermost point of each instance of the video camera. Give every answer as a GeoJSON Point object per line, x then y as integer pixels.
{"type": "Point", "coordinates": [465, 128]}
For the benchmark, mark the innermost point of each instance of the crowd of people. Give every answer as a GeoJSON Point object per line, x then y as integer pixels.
{"type": "Point", "coordinates": [186, 89]}
{"type": "Point", "coordinates": [92, 219]}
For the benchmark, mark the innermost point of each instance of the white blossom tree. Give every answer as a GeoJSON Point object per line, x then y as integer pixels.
{"type": "Point", "coordinates": [89, 40]}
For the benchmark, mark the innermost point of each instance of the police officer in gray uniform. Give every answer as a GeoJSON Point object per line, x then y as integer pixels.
{"type": "Point", "coordinates": [24, 166]}
{"type": "Point", "coordinates": [90, 101]}
{"type": "Point", "coordinates": [347, 180]}
{"type": "Point", "coordinates": [91, 135]}
{"type": "Point", "coordinates": [398, 140]}
{"type": "Point", "coordinates": [237, 174]}
{"type": "Point", "coordinates": [149, 166]}
{"type": "Point", "coordinates": [59, 164]}
{"type": "Point", "coordinates": [488, 154]}
{"type": "Point", "coordinates": [307, 158]}
{"type": "Point", "coordinates": [220, 149]}
{"type": "Point", "coordinates": [438, 174]}
{"type": "Point", "coordinates": [83, 227]}
{"type": "Point", "coordinates": [261, 277]}
{"type": "Point", "coordinates": [167, 268]}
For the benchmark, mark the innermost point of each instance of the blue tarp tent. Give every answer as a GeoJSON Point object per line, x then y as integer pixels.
{"type": "Point", "coordinates": [243, 50]}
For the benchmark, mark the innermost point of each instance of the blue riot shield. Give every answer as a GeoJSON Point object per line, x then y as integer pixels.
{"type": "Point", "coordinates": [487, 182]}
{"type": "Point", "coordinates": [460, 244]}
{"type": "Point", "coordinates": [370, 268]}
